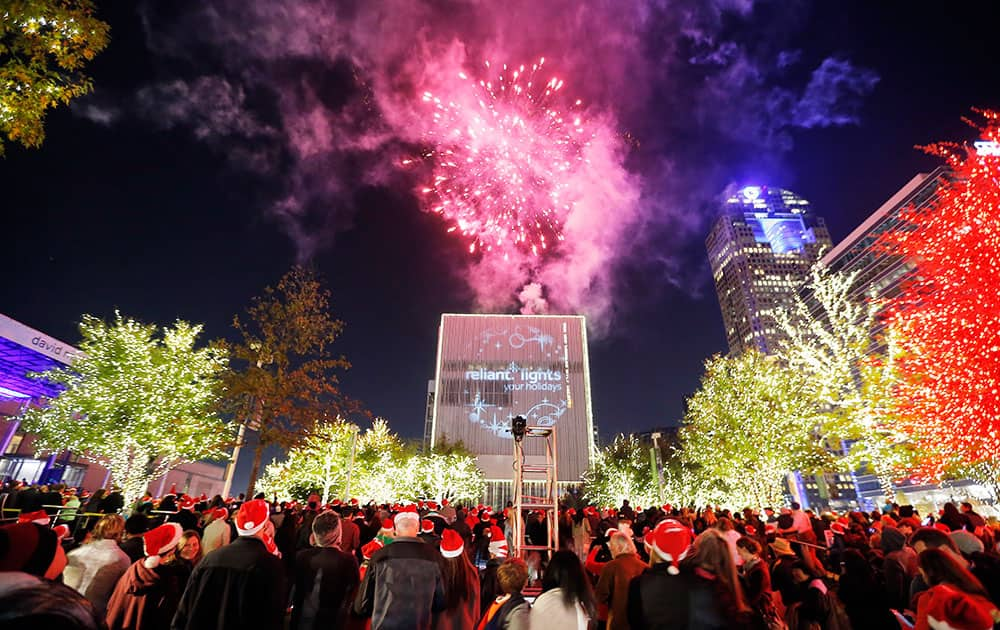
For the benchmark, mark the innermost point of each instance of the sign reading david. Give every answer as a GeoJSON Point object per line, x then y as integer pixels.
{"type": "Point", "coordinates": [492, 368]}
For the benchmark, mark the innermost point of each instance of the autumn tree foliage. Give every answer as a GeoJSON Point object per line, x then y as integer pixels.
{"type": "Point", "coordinates": [284, 371]}
{"type": "Point", "coordinates": [948, 312]}
{"type": "Point", "coordinates": [44, 45]}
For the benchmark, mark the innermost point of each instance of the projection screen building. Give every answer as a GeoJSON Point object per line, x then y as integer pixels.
{"type": "Point", "coordinates": [491, 368]}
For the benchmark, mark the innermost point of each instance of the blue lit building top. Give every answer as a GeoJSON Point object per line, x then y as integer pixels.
{"type": "Point", "coordinates": [776, 216]}
{"type": "Point", "coordinates": [760, 250]}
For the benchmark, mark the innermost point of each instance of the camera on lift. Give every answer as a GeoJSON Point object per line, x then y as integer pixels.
{"type": "Point", "coordinates": [518, 427]}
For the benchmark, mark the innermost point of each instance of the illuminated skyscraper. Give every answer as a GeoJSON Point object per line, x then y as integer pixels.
{"type": "Point", "coordinates": [760, 250]}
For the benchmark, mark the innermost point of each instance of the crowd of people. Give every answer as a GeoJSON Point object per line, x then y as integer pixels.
{"type": "Point", "coordinates": [182, 562]}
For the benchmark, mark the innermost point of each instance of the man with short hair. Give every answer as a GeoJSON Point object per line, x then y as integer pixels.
{"type": "Point", "coordinates": [325, 577]}
{"type": "Point", "coordinates": [403, 586]}
{"type": "Point", "coordinates": [612, 587]}
{"type": "Point", "coordinates": [240, 585]}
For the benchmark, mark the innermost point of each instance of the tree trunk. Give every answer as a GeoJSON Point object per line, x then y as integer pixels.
{"type": "Point", "coordinates": [257, 454]}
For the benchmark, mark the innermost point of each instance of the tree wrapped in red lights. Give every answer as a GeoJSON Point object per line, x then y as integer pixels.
{"type": "Point", "coordinates": [948, 312]}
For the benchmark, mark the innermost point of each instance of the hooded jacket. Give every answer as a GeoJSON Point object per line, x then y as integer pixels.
{"type": "Point", "coordinates": [144, 598]}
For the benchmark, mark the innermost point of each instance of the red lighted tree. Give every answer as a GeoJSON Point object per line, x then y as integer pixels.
{"type": "Point", "coordinates": [948, 312]}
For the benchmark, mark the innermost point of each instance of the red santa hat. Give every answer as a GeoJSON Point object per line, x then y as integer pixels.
{"type": "Point", "coordinates": [571, 512]}
{"type": "Point", "coordinates": [432, 505]}
{"type": "Point", "coordinates": [484, 514]}
{"type": "Point", "coordinates": [158, 541]}
{"type": "Point", "coordinates": [950, 609]}
{"type": "Point", "coordinates": [203, 497]}
{"type": "Point", "coordinates": [220, 514]}
{"type": "Point", "coordinates": [172, 492]}
{"type": "Point", "coordinates": [452, 544]}
{"type": "Point", "coordinates": [750, 530]}
{"type": "Point", "coordinates": [838, 528]}
{"type": "Point", "coordinates": [251, 517]}
{"type": "Point", "coordinates": [771, 528]}
{"type": "Point", "coordinates": [39, 517]}
{"type": "Point", "coordinates": [371, 547]}
{"type": "Point", "coordinates": [941, 527]}
{"type": "Point", "coordinates": [354, 501]}
{"type": "Point", "coordinates": [387, 527]}
{"type": "Point", "coordinates": [671, 542]}
{"type": "Point", "coordinates": [498, 544]}
{"type": "Point", "coordinates": [444, 502]}
{"type": "Point", "coordinates": [62, 531]}
{"type": "Point", "coordinates": [187, 503]}
{"type": "Point", "coordinates": [427, 526]}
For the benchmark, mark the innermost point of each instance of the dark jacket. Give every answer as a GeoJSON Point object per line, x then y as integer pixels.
{"type": "Point", "coordinates": [402, 587]}
{"type": "Point", "coordinates": [688, 601]}
{"type": "Point", "coordinates": [113, 503]}
{"type": "Point", "coordinates": [325, 581]}
{"type": "Point", "coordinates": [186, 519]}
{"type": "Point", "coordinates": [238, 586]}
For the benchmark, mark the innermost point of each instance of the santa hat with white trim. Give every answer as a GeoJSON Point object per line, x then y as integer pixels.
{"type": "Point", "coordinates": [452, 544]}
{"type": "Point", "coordinates": [252, 517]}
{"type": "Point", "coordinates": [159, 541]}
{"type": "Point", "coordinates": [498, 544]}
{"type": "Point", "coordinates": [950, 609]}
{"type": "Point", "coordinates": [671, 542]}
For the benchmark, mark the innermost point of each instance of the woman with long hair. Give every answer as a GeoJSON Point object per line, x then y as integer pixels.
{"type": "Point", "coordinates": [567, 599]}
{"type": "Point", "coordinates": [461, 585]}
{"type": "Point", "coordinates": [956, 598]}
{"type": "Point", "coordinates": [716, 593]}
{"type": "Point", "coordinates": [189, 548]}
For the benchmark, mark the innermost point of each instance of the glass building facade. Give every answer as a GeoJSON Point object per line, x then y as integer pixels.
{"type": "Point", "coordinates": [760, 251]}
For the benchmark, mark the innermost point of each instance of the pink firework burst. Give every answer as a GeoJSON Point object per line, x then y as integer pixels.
{"type": "Point", "coordinates": [504, 150]}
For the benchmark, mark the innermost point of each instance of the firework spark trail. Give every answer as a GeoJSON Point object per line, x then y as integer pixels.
{"type": "Point", "coordinates": [503, 154]}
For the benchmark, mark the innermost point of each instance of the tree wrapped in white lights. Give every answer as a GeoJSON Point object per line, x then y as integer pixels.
{"type": "Point", "coordinates": [749, 425]}
{"type": "Point", "coordinates": [321, 463]}
{"type": "Point", "coordinates": [137, 401]}
{"type": "Point", "coordinates": [829, 338]}
{"type": "Point", "coordinates": [621, 471]}
{"type": "Point", "coordinates": [338, 460]}
{"type": "Point", "coordinates": [451, 476]}
{"type": "Point", "coordinates": [380, 465]}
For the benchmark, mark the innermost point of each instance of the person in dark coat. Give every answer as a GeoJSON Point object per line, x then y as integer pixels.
{"type": "Point", "coordinates": [238, 586]}
{"type": "Point", "coordinates": [52, 498]}
{"type": "Point", "coordinates": [403, 586]}
{"type": "Point", "coordinates": [864, 597]}
{"type": "Point", "coordinates": [114, 502]}
{"type": "Point", "coordinates": [185, 516]}
{"type": "Point", "coordinates": [326, 578]}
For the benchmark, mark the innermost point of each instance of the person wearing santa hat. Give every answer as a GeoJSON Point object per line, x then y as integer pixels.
{"type": "Point", "coordinates": [653, 600]}
{"type": "Point", "coordinates": [240, 585]}
{"type": "Point", "coordinates": [461, 585]}
{"type": "Point", "coordinates": [403, 587]}
{"type": "Point", "coordinates": [217, 532]}
{"type": "Point", "coordinates": [326, 577]}
{"type": "Point", "coordinates": [185, 515]}
{"type": "Point", "coordinates": [955, 599]}
{"type": "Point", "coordinates": [146, 596]}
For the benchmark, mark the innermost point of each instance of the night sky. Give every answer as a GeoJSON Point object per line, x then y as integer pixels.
{"type": "Point", "coordinates": [138, 202]}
